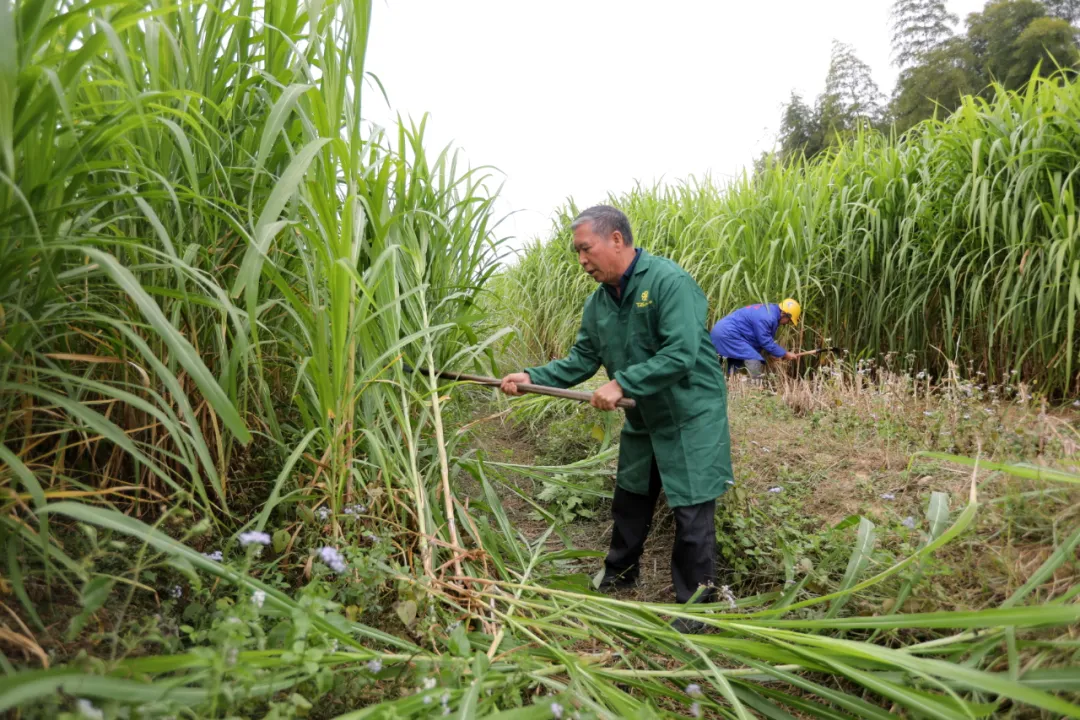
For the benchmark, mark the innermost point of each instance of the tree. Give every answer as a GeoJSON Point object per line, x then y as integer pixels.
{"type": "Point", "coordinates": [1067, 10]}
{"type": "Point", "coordinates": [918, 27]}
{"type": "Point", "coordinates": [936, 84]}
{"type": "Point", "coordinates": [800, 132]}
{"type": "Point", "coordinates": [993, 35]}
{"type": "Point", "coordinates": [1047, 40]}
{"type": "Point", "coordinates": [852, 99]}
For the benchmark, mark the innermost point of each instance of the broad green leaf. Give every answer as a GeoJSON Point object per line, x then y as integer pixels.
{"type": "Point", "coordinates": [182, 350]}
{"type": "Point", "coordinates": [860, 558]}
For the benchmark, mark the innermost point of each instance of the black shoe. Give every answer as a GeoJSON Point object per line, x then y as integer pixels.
{"type": "Point", "coordinates": [686, 626]}
{"type": "Point", "coordinates": [613, 583]}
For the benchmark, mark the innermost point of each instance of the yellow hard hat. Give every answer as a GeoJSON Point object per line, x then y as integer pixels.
{"type": "Point", "coordinates": [792, 308]}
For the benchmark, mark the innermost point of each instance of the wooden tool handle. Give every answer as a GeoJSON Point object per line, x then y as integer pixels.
{"type": "Point", "coordinates": [527, 387]}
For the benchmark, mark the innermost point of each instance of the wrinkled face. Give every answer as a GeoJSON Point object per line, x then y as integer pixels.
{"type": "Point", "coordinates": [601, 257]}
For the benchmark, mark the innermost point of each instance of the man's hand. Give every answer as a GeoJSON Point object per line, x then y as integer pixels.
{"type": "Point", "coordinates": [606, 396]}
{"type": "Point", "coordinates": [510, 382]}
{"type": "Point", "coordinates": [788, 355]}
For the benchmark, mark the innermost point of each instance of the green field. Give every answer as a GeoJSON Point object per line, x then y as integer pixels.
{"type": "Point", "coordinates": [955, 245]}
{"type": "Point", "coordinates": [227, 494]}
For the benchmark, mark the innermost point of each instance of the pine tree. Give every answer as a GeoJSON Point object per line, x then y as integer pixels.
{"type": "Point", "coordinates": [852, 98]}
{"type": "Point", "coordinates": [799, 131]}
{"type": "Point", "coordinates": [935, 85]}
{"type": "Point", "coordinates": [918, 27]}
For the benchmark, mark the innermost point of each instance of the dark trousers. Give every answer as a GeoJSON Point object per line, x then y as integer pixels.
{"type": "Point", "coordinates": [693, 559]}
{"type": "Point", "coordinates": [754, 368]}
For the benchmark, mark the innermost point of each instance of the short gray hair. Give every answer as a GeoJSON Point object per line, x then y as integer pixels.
{"type": "Point", "coordinates": [605, 220]}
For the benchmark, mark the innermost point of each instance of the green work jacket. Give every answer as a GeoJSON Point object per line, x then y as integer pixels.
{"type": "Point", "coordinates": [654, 342]}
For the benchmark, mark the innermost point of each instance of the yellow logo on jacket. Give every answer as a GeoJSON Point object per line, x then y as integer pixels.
{"type": "Point", "coordinates": [645, 301]}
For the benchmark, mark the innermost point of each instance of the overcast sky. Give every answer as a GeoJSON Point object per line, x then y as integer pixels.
{"type": "Point", "coordinates": [578, 98]}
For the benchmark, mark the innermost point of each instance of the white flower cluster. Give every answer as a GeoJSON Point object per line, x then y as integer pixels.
{"type": "Point", "coordinates": [729, 597]}
{"type": "Point", "coordinates": [254, 538]}
{"type": "Point", "coordinates": [332, 557]}
{"type": "Point", "coordinates": [87, 710]}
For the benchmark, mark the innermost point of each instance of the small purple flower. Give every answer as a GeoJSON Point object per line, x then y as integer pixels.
{"type": "Point", "coordinates": [323, 513]}
{"type": "Point", "coordinates": [258, 598]}
{"type": "Point", "coordinates": [695, 710]}
{"type": "Point", "coordinates": [177, 592]}
{"type": "Point", "coordinates": [333, 558]}
{"type": "Point", "coordinates": [430, 683]}
{"type": "Point", "coordinates": [888, 496]}
{"type": "Point", "coordinates": [255, 537]}
{"type": "Point", "coordinates": [216, 556]}
{"type": "Point", "coordinates": [693, 689]}
{"type": "Point", "coordinates": [776, 489]}
{"type": "Point", "coordinates": [427, 699]}
{"type": "Point", "coordinates": [556, 710]}
{"type": "Point", "coordinates": [372, 537]}
{"type": "Point", "coordinates": [908, 522]}
{"type": "Point", "coordinates": [374, 666]}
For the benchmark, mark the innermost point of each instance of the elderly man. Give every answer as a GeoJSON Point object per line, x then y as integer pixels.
{"type": "Point", "coordinates": [646, 325]}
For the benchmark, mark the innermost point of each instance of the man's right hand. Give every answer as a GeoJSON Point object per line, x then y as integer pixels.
{"type": "Point", "coordinates": [510, 382]}
{"type": "Point", "coordinates": [788, 356]}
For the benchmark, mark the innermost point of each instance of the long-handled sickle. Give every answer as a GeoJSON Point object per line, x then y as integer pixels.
{"type": "Point", "coordinates": [818, 351]}
{"type": "Point", "coordinates": [523, 387]}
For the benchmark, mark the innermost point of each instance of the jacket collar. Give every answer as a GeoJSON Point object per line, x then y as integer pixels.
{"type": "Point", "coordinates": [643, 262]}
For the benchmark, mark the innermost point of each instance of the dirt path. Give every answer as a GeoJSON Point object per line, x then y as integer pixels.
{"type": "Point", "coordinates": [802, 466]}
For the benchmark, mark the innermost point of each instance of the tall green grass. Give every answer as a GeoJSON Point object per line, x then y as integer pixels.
{"type": "Point", "coordinates": [210, 271]}
{"type": "Point", "coordinates": [956, 242]}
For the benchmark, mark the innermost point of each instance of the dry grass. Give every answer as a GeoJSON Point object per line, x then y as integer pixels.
{"type": "Point", "coordinates": [843, 443]}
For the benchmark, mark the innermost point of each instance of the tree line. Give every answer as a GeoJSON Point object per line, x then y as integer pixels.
{"type": "Point", "coordinates": [1006, 43]}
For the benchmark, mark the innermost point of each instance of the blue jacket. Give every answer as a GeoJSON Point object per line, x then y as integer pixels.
{"type": "Point", "coordinates": [748, 331]}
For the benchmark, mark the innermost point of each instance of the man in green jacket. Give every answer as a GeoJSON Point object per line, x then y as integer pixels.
{"type": "Point", "coordinates": [646, 325]}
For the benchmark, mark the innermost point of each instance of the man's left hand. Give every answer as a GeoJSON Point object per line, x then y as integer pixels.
{"type": "Point", "coordinates": [606, 396]}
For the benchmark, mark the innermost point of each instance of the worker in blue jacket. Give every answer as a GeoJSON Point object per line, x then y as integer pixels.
{"type": "Point", "coordinates": [742, 337]}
